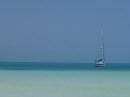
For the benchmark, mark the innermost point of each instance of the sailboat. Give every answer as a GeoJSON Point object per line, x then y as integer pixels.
{"type": "Point", "coordinates": [100, 62]}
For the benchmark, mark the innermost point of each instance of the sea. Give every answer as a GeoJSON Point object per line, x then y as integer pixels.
{"type": "Point", "coordinates": [34, 79]}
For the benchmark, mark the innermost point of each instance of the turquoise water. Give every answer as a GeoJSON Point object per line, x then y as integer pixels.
{"type": "Point", "coordinates": [65, 83]}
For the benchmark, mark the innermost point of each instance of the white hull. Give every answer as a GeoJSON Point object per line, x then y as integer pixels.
{"type": "Point", "coordinates": [100, 64]}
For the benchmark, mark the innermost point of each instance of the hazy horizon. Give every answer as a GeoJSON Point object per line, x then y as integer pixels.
{"type": "Point", "coordinates": [64, 31]}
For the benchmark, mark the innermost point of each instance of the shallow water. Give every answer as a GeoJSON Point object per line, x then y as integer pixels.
{"type": "Point", "coordinates": [65, 83]}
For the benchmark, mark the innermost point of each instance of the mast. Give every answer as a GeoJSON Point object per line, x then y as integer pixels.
{"type": "Point", "coordinates": [102, 46]}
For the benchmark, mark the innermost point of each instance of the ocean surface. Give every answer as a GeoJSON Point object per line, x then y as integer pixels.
{"type": "Point", "coordinates": [32, 79]}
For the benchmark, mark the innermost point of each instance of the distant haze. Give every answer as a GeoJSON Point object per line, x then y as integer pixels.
{"type": "Point", "coordinates": [64, 30]}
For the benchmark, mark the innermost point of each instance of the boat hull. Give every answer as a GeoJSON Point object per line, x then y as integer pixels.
{"type": "Point", "coordinates": [100, 64]}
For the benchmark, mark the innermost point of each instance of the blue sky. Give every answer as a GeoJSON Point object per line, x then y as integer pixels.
{"type": "Point", "coordinates": [64, 30]}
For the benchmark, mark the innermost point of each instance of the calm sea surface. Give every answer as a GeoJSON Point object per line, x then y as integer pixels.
{"type": "Point", "coordinates": [64, 80]}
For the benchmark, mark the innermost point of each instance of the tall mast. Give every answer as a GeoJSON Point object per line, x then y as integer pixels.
{"type": "Point", "coordinates": [102, 45]}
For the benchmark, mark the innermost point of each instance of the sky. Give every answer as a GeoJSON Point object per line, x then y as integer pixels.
{"type": "Point", "coordinates": [64, 30]}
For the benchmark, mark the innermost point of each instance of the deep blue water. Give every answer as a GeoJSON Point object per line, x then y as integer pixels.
{"type": "Point", "coordinates": [61, 66]}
